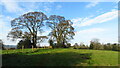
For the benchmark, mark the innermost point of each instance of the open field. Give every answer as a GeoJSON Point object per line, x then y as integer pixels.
{"type": "Point", "coordinates": [59, 57]}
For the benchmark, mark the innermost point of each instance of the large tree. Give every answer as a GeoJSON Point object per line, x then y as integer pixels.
{"type": "Point", "coordinates": [31, 23]}
{"type": "Point", "coordinates": [62, 30]}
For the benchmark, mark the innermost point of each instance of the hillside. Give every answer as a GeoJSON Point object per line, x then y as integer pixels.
{"type": "Point", "coordinates": [59, 57]}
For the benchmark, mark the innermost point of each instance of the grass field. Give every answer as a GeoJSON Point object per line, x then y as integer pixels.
{"type": "Point", "coordinates": [59, 57]}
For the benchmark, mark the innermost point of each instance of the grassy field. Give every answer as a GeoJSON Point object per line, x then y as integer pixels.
{"type": "Point", "coordinates": [59, 57]}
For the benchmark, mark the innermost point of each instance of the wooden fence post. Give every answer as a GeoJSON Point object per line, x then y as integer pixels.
{"type": "Point", "coordinates": [32, 47]}
{"type": "Point", "coordinates": [7, 50]}
{"type": "Point", "coordinates": [22, 48]}
{"type": "Point", "coordinates": [44, 47]}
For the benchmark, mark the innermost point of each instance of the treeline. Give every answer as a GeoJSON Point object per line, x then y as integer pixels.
{"type": "Point", "coordinates": [96, 45]}
{"type": "Point", "coordinates": [59, 45]}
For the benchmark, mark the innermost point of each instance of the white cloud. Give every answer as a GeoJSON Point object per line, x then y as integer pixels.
{"type": "Point", "coordinates": [5, 28]}
{"type": "Point", "coordinates": [105, 35]}
{"type": "Point", "coordinates": [87, 34]}
{"type": "Point", "coordinates": [47, 9]}
{"type": "Point", "coordinates": [99, 19]}
{"type": "Point", "coordinates": [58, 7]}
{"type": "Point", "coordinates": [11, 6]}
{"type": "Point", "coordinates": [78, 21]}
{"type": "Point", "coordinates": [92, 4]}
{"type": "Point", "coordinates": [18, 7]}
{"type": "Point", "coordinates": [92, 30]}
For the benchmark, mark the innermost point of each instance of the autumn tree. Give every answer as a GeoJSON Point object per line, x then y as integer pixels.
{"type": "Point", "coordinates": [61, 29]}
{"type": "Point", "coordinates": [31, 22]}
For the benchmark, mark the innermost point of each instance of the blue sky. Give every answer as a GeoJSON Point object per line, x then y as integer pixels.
{"type": "Point", "coordinates": [90, 19]}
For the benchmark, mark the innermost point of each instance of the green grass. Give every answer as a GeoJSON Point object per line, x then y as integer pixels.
{"type": "Point", "coordinates": [59, 57]}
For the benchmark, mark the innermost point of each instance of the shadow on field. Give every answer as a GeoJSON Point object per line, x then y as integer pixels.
{"type": "Point", "coordinates": [48, 59]}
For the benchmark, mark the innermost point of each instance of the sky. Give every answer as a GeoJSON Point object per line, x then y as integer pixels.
{"type": "Point", "coordinates": [92, 19]}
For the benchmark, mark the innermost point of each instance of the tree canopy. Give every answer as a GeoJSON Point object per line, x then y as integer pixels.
{"type": "Point", "coordinates": [62, 30]}
{"type": "Point", "coordinates": [27, 27]}
{"type": "Point", "coordinates": [30, 23]}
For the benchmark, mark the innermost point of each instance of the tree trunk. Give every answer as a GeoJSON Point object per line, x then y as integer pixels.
{"type": "Point", "coordinates": [34, 43]}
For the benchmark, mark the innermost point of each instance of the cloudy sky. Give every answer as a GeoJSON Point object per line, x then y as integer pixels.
{"type": "Point", "coordinates": [90, 19]}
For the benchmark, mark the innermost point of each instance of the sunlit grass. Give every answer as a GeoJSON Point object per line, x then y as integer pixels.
{"type": "Point", "coordinates": [60, 57]}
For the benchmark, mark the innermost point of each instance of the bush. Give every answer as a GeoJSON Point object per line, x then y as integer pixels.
{"type": "Point", "coordinates": [115, 47]}
{"type": "Point", "coordinates": [26, 43]}
{"type": "Point", "coordinates": [68, 45]}
{"type": "Point", "coordinates": [94, 44]}
{"type": "Point", "coordinates": [83, 46]}
{"type": "Point", "coordinates": [76, 46]}
{"type": "Point", "coordinates": [51, 43]}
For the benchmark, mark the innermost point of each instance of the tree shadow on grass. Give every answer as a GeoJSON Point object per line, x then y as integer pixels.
{"type": "Point", "coordinates": [47, 59]}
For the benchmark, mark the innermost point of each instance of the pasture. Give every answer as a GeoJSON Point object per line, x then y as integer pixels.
{"type": "Point", "coordinates": [59, 57]}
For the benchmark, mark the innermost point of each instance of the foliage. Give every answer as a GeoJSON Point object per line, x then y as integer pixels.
{"type": "Point", "coordinates": [1, 44]}
{"type": "Point", "coordinates": [83, 46]}
{"type": "Point", "coordinates": [51, 43]}
{"type": "Point", "coordinates": [114, 47]}
{"type": "Point", "coordinates": [68, 45]}
{"type": "Point", "coordinates": [76, 46]}
{"type": "Point", "coordinates": [30, 22]}
{"type": "Point", "coordinates": [26, 43]}
{"type": "Point", "coordinates": [62, 30]}
{"type": "Point", "coordinates": [94, 44]}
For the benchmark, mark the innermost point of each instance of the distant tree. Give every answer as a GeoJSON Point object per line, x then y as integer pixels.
{"type": "Point", "coordinates": [68, 45]}
{"type": "Point", "coordinates": [62, 30]}
{"type": "Point", "coordinates": [30, 22]}
{"type": "Point", "coordinates": [1, 45]}
{"type": "Point", "coordinates": [94, 44]}
{"type": "Point", "coordinates": [109, 46]}
{"type": "Point", "coordinates": [91, 45]}
{"type": "Point", "coordinates": [83, 46]}
{"type": "Point", "coordinates": [76, 46]}
{"type": "Point", "coordinates": [115, 47]}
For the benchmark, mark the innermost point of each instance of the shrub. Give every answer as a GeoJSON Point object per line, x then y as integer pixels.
{"type": "Point", "coordinates": [76, 46]}
{"type": "Point", "coordinates": [51, 43]}
{"type": "Point", "coordinates": [26, 43]}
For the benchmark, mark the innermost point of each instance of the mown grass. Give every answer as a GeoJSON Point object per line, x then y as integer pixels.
{"type": "Point", "coordinates": [59, 57]}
